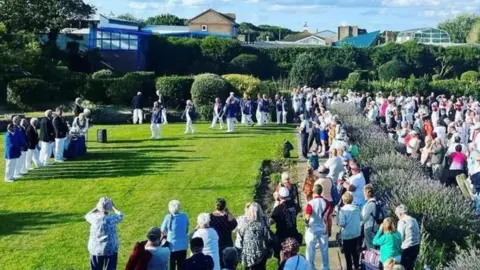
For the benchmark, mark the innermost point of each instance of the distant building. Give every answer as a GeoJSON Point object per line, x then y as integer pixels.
{"type": "Point", "coordinates": [361, 41]}
{"type": "Point", "coordinates": [212, 21]}
{"type": "Point", "coordinates": [349, 31]}
{"type": "Point", "coordinates": [329, 36]}
{"type": "Point", "coordinates": [389, 36]}
{"type": "Point", "coordinates": [424, 35]}
{"type": "Point", "coordinates": [305, 38]}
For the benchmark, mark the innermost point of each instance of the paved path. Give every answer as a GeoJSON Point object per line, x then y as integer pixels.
{"type": "Point", "coordinates": [336, 259]}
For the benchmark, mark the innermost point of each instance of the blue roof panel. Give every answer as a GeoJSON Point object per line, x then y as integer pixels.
{"type": "Point", "coordinates": [360, 41]}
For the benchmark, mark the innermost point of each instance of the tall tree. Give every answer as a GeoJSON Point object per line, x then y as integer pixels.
{"type": "Point", "coordinates": [37, 16]}
{"type": "Point", "coordinates": [459, 27]}
{"type": "Point", "coordinates": [129, 17]}
{"type": "Point", "coordinates": [166, 19]}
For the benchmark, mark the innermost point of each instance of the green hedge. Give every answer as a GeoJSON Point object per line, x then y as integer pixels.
{"type": "Point", "coordinates": [306, 71]}
{"type": "Point", "coordinates": [245, 64]}
{"type": "Point", "coordinates": [28, 93]}
{"type": "Point", "coordinates": [470, 76]}
{"type": "Point", "coordinates": [102, 74]}
{"type": "Point", "coordinates": [207, 87]}
{"type": "Point", "coordinates": [175, 89]}
{"type": "Point", "coordinates": [243, 83]}
{"type": "Point", "coordinates": [392, 70]}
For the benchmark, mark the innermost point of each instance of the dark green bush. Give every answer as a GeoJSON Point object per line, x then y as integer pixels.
{"type": "Point", "coordinates": [121, 90]}
{"type": "Point", "coordinates": [204, 112]}
{"type": "Point", "coordinates": [175, 89]}
{"type": "Point", "coordinates": [393, 69]}
{"type": "Point", "coordinates": [70, 86]}
{"type": "Point", "coordinates": [245, 64]}
{"type": "Point", "coordinates": [95, 90]}
{"type": "Point", "coordinates": [207, 87]}
{"type": "Point", "coordinates": [28, 94]}
{"type": "Point", "coordinates": [103, 74]}
{"type": "Point", "coordinates": [306, 71]}
{"type": "Point", "coordinates": [456, 87]}
{"type": "Point", "coordinates": [146, 81]}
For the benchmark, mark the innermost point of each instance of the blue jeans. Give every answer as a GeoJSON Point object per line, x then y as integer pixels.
{"type": "Point", "coordinates": [103, 262]}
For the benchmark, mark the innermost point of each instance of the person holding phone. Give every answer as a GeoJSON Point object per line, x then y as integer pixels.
{"type": "Point", "coordinates": [224, 223]}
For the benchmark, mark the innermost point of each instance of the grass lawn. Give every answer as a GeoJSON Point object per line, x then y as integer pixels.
{"type": "Point", "coordinates": [42, 215]}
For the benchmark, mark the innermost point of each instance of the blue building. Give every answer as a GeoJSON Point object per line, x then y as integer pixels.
{"type": "Point", "coordinates": [361, 41]}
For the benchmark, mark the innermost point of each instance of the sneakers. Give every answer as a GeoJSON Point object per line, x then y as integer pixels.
{"type": "Point", "coordinates": [60, 161]}
{"type": "Point", "coordinates": [9, 180]}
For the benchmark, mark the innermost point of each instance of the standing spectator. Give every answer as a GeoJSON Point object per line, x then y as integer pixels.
{"type": "Point", "coordinates": [410, 232]}
{"type": "Point", "coordinates": [457, 165]}
{"type": "Point", "coordinates": [290, 259]}
{"type": "Point", "coordinates": [32, 142]}
{"type": "Point", "coordinates": [313, 160]}
{"type": "Point", "coordinates": [438, 154]}
{"type": "Point", "coordinates": [308, 184]}
{"type": "Point", "coordinates": [333, 166]}
{"type": "Point", "coordinates": [349, 220]}
{"type": "Point", "coordinates": [150, 254]}
{"type": "Point", "coordinates": [389, 240]}
{"type": "Point", "coordinates": [355, 185]}
{"type": "Point", "coordinates": [210, 240]}
{"type": "Point", "coordinates": [175, 228]}
{"type": "Point", "coordinates": [47, 138]}
{"type": "Point", "coordinates": [12, 153]}
{"type": "Point", "coordinates": [278, 109]}
{"type": "Point", "coordinates": [61, 129]}
{"type": "Point", "coordinates": [303, 129]}
{"type": "Point", "coordinates": [137, 107]}
{"type": "Point", "coordinates": [224, 223]}
{"type": "Point", "coordinates": [286, 182]}
{"type": "Point", "coordinates": [316, 220]}
{"type": "Point", "coordinates": [103, 240]}
{"type": "Point", "coordinates": [20, 140]}
{"type": "Point", "coordinates": [284, 110]}
{"type": "Point", "coordinates": [284, 216]}
{"type": "Point", "coordinates": [198, 260]}
{"type": "Point", "coordinates": [78, 108]}
{"type": "Point", "coordinates": [230, 258]}
{"type": "Point", "coordinates": [241, 220]}
{"type": "Point", "coordinates": [20, 166]}
{"type": "Point", "coordinates": [369, 212]}
{"type": "Point", "coordinates": [156, 121]}
{"type": "Point", "coordinates": [254, 239]}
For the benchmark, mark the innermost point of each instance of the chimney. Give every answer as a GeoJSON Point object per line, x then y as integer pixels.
{"type": "Point", "coordinates": [305, 27]}
{"type": "Point", "coordinates": [317, 31]}
{"type": "Point", "coordinates": [268, 38]}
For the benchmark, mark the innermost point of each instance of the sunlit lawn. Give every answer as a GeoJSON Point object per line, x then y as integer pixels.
{"type": "Point", "coordinates": [41, 216]}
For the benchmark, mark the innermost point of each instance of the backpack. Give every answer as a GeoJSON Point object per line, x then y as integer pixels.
{"type": "Point", "coordinates": [380, 212]}
{"type": "Point", "coordinates": [335, 194]}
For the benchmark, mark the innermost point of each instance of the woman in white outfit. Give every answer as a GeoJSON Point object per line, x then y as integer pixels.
{"type": "Point", "coordinates": [209, 237]}
{"type": "Point", "coordinates": [189, 115]}
{"type": "Point", "coordinates": [161, 104]}
{"type": "Point", "coordinates": [32, 142]}
{"type": "Point", "coordinates": [80, 124]}
{"type": "Point", "coordinates": [259, 113]}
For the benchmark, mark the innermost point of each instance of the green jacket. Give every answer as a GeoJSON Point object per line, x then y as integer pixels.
{"type": "Point", "coordinates": [390, 244]}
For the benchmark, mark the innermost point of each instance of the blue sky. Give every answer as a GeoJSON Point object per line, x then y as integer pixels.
{"type": "Point", "coordinates": [319, 14]}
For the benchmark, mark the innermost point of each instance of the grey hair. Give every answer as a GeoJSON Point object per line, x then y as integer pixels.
{"type": "Point", "coordinates": [173, 206]}
{"type": "Point", "coordinates": [139, 93]}
{"type": "Point", "coordinates": [203, 220]}
{"type": "Point", "coordinates": [24, 122]}
{"type": "Point", "coordinates": [16, 119]}
{"type": "Point", "coordinates": [77, 100]}
{"type": "Point", "coordinates": [254, 212]}
{"type": "Point", "coordinates": [48, 112]}
{"type": "Point", "coordinates": [401, 209]}
{"type": "Point", "coordinates": [285, 176]}
{"type": "Point", "coordinates": [33, 121]}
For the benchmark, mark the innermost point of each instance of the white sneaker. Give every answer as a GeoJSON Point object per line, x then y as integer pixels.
{"type": "Point", "coordinates": [17, 176]}
{"type": "Point", "coordinates": [9, 180]}
{"type": "Point", "coordinates": [59, 161]}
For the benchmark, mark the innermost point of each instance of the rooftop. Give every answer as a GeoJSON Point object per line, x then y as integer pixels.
{"type": "Point", "coordinates": [360, 41]}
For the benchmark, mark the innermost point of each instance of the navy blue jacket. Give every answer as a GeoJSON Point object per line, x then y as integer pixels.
{"type": "Point", "coordinates": [137, 102]}
{"type": "Point", "coordinates": [265, 106]}
{"type": "Point", "coordinates": [47, 132]}
{"type": "Point", "coordinates": [278, 105]}
{"type": "Point", "coordinates": [247, 107]}
{"type": "Point", "coordinates": [156, 116]}
{"type": "Point", "coordinates": [230, 110]}
{"type": "Point", "coordinates": [12, 146]}
{"type": "Point", "coordinates": [217, 110]}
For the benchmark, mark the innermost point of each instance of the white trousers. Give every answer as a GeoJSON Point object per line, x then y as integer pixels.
{"type": "Point", "coordinates": [189, 126]}
{"type": "Point", "coordinates": [230, 124]}
{"type": "Point", "coordinates": [279, 117]}
{"type": "Point", "coordinates": [266, 117]}
{"type": "Point", "coordinates": [311, 240]}
{"type": "Point", "coordinates": [215, 119]}
{"type": "Point", "coordinates": [248, 120]}
{"type": "Point", "coordinates": [59, 148]}
{"type": "Point", "coordinates": [156, 131]}
{"type": "Point", "coordinates": [243, 120]}
{"type": "Point", "coordinates": [138, 116]}
{"type": "Point", "coordinates": [164, 116]}
{"type": "Point", "coordinates": [20, 165]}
{"type": "Point", "coordinates": [45, 152]}
{"type": "Point", "coordinates": [10, 165]}
{"type": "Point", "coordinates": [32, 155]}
{"type": "Point", "coordinates": [260, 120]}
{"type": "Point", "coordinates": [284, 115]}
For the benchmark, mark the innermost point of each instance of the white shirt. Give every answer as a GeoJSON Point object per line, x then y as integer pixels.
{"type": "Point", "coordinates": [210, 241]}
{"type": "Point", "coordinates": [440, 130]}
{"type": "Point", "coordinates": [334, 166]}
{"type": "Point", "coordinates": [359, 182]}
{"type": "Point", "coordinates": [304, 125]}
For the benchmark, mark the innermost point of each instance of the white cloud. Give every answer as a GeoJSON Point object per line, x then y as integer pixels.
{"type": "Point", "coordinates": [297, 8]}
{"type": "Point", "coordinates": [138, 5]}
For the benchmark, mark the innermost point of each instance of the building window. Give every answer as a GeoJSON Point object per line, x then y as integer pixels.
{"type": "Point", "coordinates": [116, 41]}
{"type": "Point", "coordinates": [204, 28]}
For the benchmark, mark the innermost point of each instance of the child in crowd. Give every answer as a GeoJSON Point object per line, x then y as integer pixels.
{"type": "Point", "coordinates": [313, 160]}
{"type": "Point", "coordinates": [308, 184]}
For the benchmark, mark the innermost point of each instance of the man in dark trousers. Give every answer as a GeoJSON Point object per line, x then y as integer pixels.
{"type": "Point", "coordinates": [61, 129]}
{"type": "Point", "coordinates": [303, 129]}
{"type": "Point", "coordinates": [137, 107]}
{"type": "Point", "coordinates": [78, 109]}
{"type": "Point", "coordinates": [47, 138]}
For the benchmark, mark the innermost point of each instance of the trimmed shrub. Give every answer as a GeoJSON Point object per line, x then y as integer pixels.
{"type": "Point", "coordinates": [391, 70]}
{"type": "Point", "coordinates": [175, 89]}
{"type": "Point", "coordinates": [121, 90]}
{"type": "Point", "coordinates": [306, 71]}
{"type": "Point", "coordinates": [243, 83]}
{"type": "Point", "coordinates": [102, 74]}
{"type": "Point", "coordinates": [146, 79]}
{"type": "Point", "coordinates": [436, 77]}
{"type": "Point", "coordinates": [204, 112]}
{"type": "Point", "coordinates": [470, 76]}
{"type": "Point", "coordinates": [28, 93]}
{"type": "Point", "coordinates": [95, 90]}
{"type": "Point", "coordinates": [456, 87]}
{"type": "Point", "coordinates": [206, 87]}
{"type": "Point", "coordinates": [245, 64]}
{"type": "Point", "coordinates": [70, 86]}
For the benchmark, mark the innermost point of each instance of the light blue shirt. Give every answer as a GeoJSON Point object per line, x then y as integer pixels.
{"type": "Point", "coordinates": [176, 227]}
